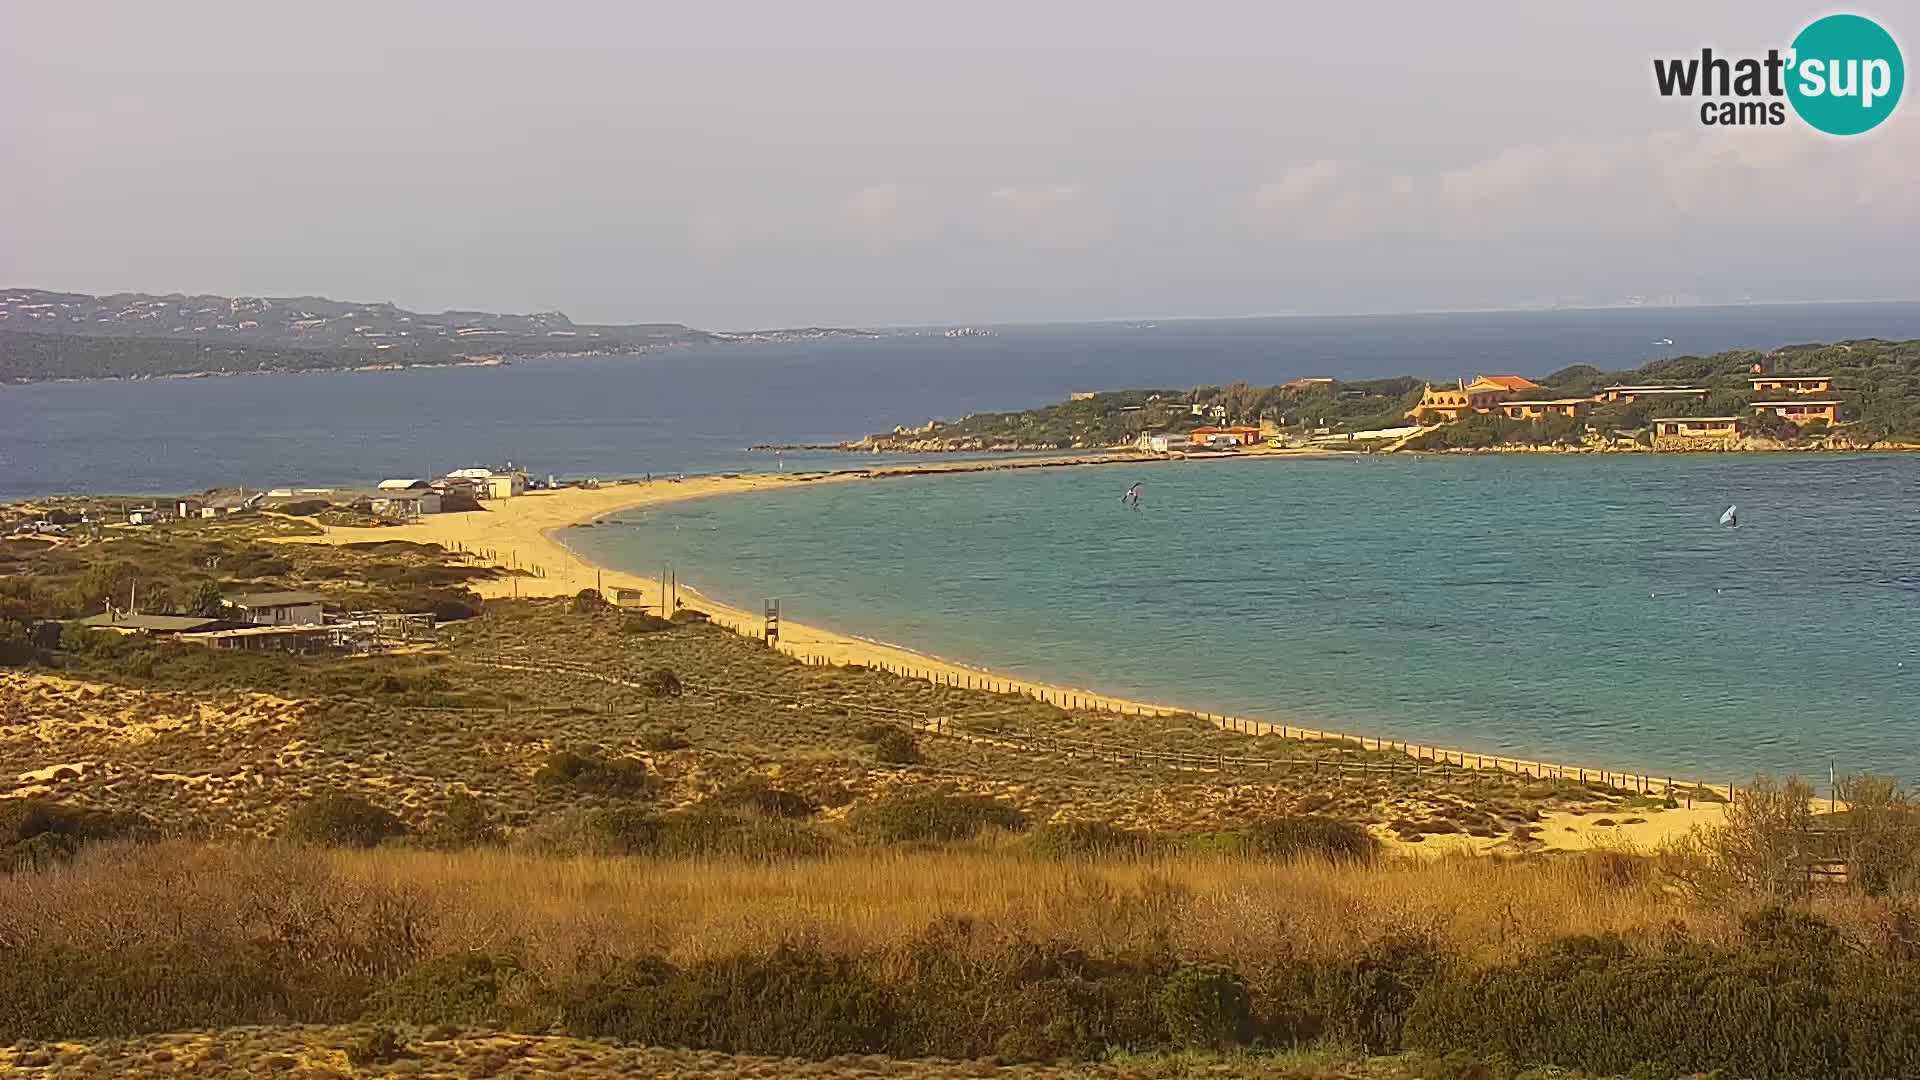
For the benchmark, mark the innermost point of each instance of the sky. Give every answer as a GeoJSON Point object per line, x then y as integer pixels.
{"type": "Point", "coordinates": [739, 165]}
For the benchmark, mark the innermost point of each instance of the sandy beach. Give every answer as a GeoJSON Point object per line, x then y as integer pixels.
{"type": "Point", "coordinates": [526, 533]}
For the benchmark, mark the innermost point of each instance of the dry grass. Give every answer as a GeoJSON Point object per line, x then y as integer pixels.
{"type": "Point", "coordinates": [315, 1051]}
{"type": "Point", "coordinates": [562, 913]}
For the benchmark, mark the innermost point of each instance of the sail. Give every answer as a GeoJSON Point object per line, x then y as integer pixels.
{"type": "Point", "coordinates": [1731, 517]}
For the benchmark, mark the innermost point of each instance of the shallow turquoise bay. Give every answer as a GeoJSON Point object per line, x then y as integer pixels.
{"type": "Point", "coordinates": [1570, 608]}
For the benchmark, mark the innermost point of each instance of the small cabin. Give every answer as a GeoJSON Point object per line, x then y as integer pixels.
{"type": "Point", "coordinates": [1791, 384]}
{"type": "Point", "coordinates": [1699, 427]}
{"type": "Point", "coordinates": [1801, 412]}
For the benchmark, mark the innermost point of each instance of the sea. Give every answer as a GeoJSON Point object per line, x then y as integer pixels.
{"type": "Point", "coordinates": [1571, 608]}
{"type": "Point", "coordinates": [696, 410]}
{"type": "Point", "coordinates": [1581, 609]}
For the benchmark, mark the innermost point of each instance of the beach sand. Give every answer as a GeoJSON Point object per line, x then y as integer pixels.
{"type": "Point", "coordinates": [523, 533]}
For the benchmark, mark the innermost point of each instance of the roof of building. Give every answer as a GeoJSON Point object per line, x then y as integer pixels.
{"type": "Point", "coordinates": [163, 623]}
{"type": "Point", "coordinates": [275, 599]}
{"type": "Point", "coordinates": [1789, 378]}
{"type": "Point", "coordinates": [401, 485]}
{"type": "Point", "coordinates": [1658, 389]}
{"type": "Point", "coordinates": [264, 631]}
{"type": "Point", "coordinates": [1231, 429]}
{"type": "Point", "coordinates": [1801, 401]}
{"type": "Point", "coordinates": [1548, 401]}
{"type": "Point", "coordinates": [1509, 382]}
{"type": "Point", "coordinates": [392, 495]}
{"type": "Point", "coordinates": [1696, 419]}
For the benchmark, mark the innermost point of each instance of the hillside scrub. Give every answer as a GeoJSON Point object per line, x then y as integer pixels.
{"type": "Point", "coordinates": [962, 956]}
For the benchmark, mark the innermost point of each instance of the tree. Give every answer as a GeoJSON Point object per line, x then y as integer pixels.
{"type": "Point", "coordinates": [1763, 846]}
{"type": "Point", "coordinates": [205, 600]}
{"type": "Point", "coordinates": [1882, 830]}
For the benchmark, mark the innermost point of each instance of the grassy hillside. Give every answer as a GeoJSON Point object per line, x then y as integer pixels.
{"type": "Point", "coordinates": [1878, 385]}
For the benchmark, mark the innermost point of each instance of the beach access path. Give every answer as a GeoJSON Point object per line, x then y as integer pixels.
{"type": "Point", "coordinates": [521, 533]}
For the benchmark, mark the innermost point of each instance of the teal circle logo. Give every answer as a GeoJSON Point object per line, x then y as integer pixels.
{"type": "Point", "coordinates": [1845, 75]}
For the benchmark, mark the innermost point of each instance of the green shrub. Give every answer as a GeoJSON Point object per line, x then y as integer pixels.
{"type": "Point", "coordinates": [380, 1046]}
{"type": "Point", "coordinates": [589, 772]}
{"type": "Point", "coordinates": [54, 992]}
{"type": "Point", "coordinates": [659, 682]}
{"type": "Point", "coordinates": [342, 821]}
{"type": "Point", "coordinates": [792, 1003]}
{"type": "Point", "coordinates": [1307, 836]}
{"type": "Point", "coordinates": [1078, 1017]}
{"type": "Point", "coordinates": [710, 832]}
{"type": "Point", "coordinates": [967, 992]}
{"type": "Point", "coordinates": [588, 602]}
{"type": "Point", "coordinates": [756, 794]}
{"type": "Point", "coordinates": [459, 988]}
{"type": "Point", "coordinates": [1207, 1007]}
{"type": "Point", "coordinates": [623, 830]}
{"type": "Point", "coordinates": [643, 623]}
{"type": "Point", "coordinates": [1088, 840]}
{"type": "Point", "coordinates": [465, 824]}
{"type": "Point", "coordinates": [36, 834]}
{"type": "Point", "coordinates": [1363, 1002]}
{"type": "Point", "coordinates": [936, 817]}
{"type": "Point", "coordinates": [1686, 1009]}
{"type": "Point", "coordinates": [896, 746]}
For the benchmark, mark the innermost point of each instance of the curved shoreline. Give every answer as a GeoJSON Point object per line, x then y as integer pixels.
{"type": "Point", "coordinates": [523, 533]}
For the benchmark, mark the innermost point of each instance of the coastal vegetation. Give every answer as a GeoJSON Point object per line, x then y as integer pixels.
{"type": "Point", "coordinates": [1876, 383]}
{"type": "Point", "coordinates": [566, 832]}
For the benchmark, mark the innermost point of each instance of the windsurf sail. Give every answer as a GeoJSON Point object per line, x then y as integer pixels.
{"type": "Point", "coordinates": [1731, 519]}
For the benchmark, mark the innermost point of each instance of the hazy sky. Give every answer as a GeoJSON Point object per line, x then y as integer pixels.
{"type": "Point", "coordinates": [734, 165]}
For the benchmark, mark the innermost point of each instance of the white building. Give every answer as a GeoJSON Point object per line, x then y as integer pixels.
{"type": "Point", "coordinates": [278, 608]}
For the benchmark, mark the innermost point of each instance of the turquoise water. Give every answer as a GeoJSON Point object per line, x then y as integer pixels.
{"type": "Point", "coordinates": [1580, 609]}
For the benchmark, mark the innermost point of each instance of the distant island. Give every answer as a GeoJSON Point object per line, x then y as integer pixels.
{"type": "Point", "coordinates": [56, 335]}
{"type": "Point", "coordinates": [1861, 394]}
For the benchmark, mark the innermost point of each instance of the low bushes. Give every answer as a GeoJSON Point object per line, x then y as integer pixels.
{"type": "Point", "coordinates": [1779, 1004]}
{"type": "Point", "coordinates": [697, 832]}
{"type": "Point", "coordinates": [1304, 835]}
{"type": "Point", "coordinates": [792, 1003]}
{"type": "Point", "coordinates": [589, 772]}
{"type": "Point", "coordinates": [460, 988]}
{"type": "Point", "coordinates": [1596, 1004]}
{"type": "Point", "coordinates": [896, 746]}
{"type": "Point", "coordinates": [659, 682]}
{"type": "Point", "coordinates": [1089, 840]}
{"type": "Point", "coordinates": [52, 992]}
{"type": "Point", "coordinates": [757, 794]}
{"type": "Point", "coordinates": [35, 834]}
{"type": "Point", "coordinates": [465, 824]}
{"type": "Point", "coordinates": [1206, 1007]}
{"type": "Point", "coordinates": [342, 821]}
{"type": "Point", "coordinates": [935, 817]}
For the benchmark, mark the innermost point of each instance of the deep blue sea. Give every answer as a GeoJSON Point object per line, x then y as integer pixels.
{"type": "Point", "coordinates": [695, 410]}
{"type": "Point", "coordinates": [1571, 608]}
{"type": "Point", "coordinates": [1579, 609]}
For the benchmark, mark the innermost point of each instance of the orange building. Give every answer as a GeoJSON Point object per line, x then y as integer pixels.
{"type": "Point", "coordinates": [1534, 410]}
{"type": "Point", "coordinates": [1801, 412]}
{"type": "Point", "coordinates": [1699, 427]}
{"type": "Point", "coordinates": [1653, 393]}
{"type": "Point", "coordinates": [1791, 384]}
{"type": "Point", "coordinates": [1218, 436]}
{"type": "Point", "coordinates": [1449, 403]}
